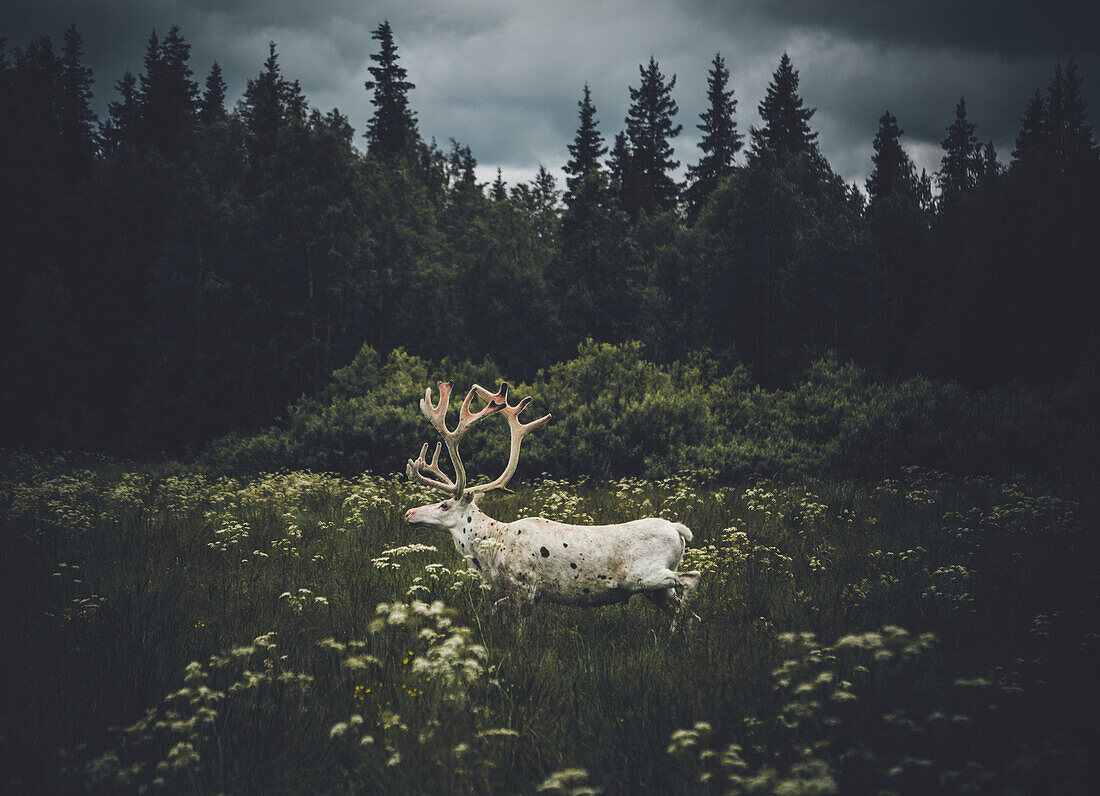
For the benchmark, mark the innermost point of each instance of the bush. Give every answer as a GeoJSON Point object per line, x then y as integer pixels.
{"type": "Point", "coordinates": [616, 413]}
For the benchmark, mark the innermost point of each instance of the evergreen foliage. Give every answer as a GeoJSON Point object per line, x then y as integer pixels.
{"type": "Point", "coordinates": [193, 266]}
{"type": "Point", "coordinates": [586, 150]}
{"type": "Point", "coordinates": [720, 143]}
{"type": "Point", "coordinates": [270, 103]}
{"type": "Point", "coordinates": [76, 119]}
{"type": "Point", "coordinates": [961, 164]}
{"type": "Point", "coordinates": [898, 222]}
{"type": "Point", "coordinates": [392, 129]}
{"type": "Point", "coordinates": [646, 180]}
{"type": "Point", "coordinates": [212, 107]}
{"type": "Point", "coordinates": [168, 96]}
{"type": "Point", "coordinates": [786, 131]}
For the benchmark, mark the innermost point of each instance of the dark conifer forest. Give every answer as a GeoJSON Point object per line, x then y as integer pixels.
{"type": "Point", "coordinates": [192, 265]}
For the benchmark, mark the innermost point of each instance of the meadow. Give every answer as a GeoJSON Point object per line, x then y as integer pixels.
{"type": "Point", "coordinates": [172, 631]}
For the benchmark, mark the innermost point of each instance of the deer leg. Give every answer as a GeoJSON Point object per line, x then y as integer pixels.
{"type": "Point", "coordinates": [689, 581]}
{"type": "Point", "coordinates": [666, 600]}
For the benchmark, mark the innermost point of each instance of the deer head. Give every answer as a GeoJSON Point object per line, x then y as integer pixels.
{"type": "Point", "coordinates": [449, 514]}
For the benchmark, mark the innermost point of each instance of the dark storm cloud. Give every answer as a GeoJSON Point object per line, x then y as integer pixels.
{"type": "Point", "coordinates": [504, 77]}
{"type": "Point", "coordinates": [1012, 29]}
{"type": "Point", "coordinates": [858, 58]}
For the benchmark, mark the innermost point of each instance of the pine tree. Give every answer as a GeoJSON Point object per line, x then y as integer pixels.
{"type": "Point", "coordinates": [123, 125]}
{"type": "Point", "coordinates": [1055, 118]}
{"type": "Point", "coordinates": [270, 103]}
{"type": "Point", "coordinates": [786, 129]}
{"type": "Point", "coordinates": [462, 171]}
{"type": "Point", "coordinates": [586, 150]}
{"type": "Point", "coordinates": [76, 119]}
{"type": "Point", "coordinates": [989, 168]}
{"type": "Point", "coordinates": [894, 172]}
{"type": "Point", "coordinates": [899, 235]}
{"type": "Point", "coordinates": [499, 191]}
{"type": "Point", "coordinates": [212, 107]}
{"type": "Point", "coordinates": [649, 125]}
{"type": "Point", "coordinates": [168, 94]}
{"type": "Point", "coordinates": [961, 163]}
{"type": "Point", "coordinates": [546, 190]}
{"type": "Point", "coordinates": [1075, 143]}
{"type": "Point", "coordinates": [618, 163]}
{"type": "Point", "coordinates": [392, 128]}
{"type": "Point", "coordinates": [721, 142]}
{"type": "Point", "coordinates": [1033, 140]}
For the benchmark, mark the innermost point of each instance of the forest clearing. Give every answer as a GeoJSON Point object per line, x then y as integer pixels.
{"type": "Point", "coordinates": [290, 633]}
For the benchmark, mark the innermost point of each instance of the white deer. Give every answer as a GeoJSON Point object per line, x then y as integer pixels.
{"type": "Point", "coordinates": [535, 559]}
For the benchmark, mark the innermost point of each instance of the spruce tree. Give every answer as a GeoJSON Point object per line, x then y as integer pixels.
{"type": "Point", "coordinates": [76, 119]}
{"type": "Point", "coordinates": [462, 172]}
{"type": "Point", "coordinates": [899, 237]}
{"type": "Point", "coordinates": [392, 128]}
{"type": "Point", "coordinates": [270, 103]}
{"type": "Point", "coordinates": [168, 94]}
{"type": "Point", "coordinates": [989, 167]}
{"type": "Point", "coordinates": [618, 162]}
{"type": "Point", "coordinates": [962, 160]}
{"type": "Point", "coordinates": [786, 129]}
{"type": "Point", "coordinates": [546, 190]}
{"type": "Point", "coordinates": [1075, 143]}
{"type": "Point", "coordinates": [586, 150]}
{"type": "Point", "coordinates": [123, 125]}
{"type": "Point", "coordinates": [1056, 95]}
{"type": "Point", "coordinates": [721, 141]}
{"type": "Point", "coordinates": [499, 191]}
{"type": "Point", "coordinates": [649, 125]}
{"type": "Point", "coordinates": [212, 107]}
{"type": "Point", "coordinates": [1033, 140]}
{"type": "Point", "coordinates": [894, 172]}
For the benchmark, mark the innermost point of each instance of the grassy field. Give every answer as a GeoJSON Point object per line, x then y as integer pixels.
{"type": "Point", "coordinates": [171, 631]}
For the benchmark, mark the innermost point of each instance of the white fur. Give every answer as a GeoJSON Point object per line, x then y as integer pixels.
{"type": "Point", "coordinates": [536, 559]}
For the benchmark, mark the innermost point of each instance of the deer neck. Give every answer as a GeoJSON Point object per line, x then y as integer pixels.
{"type": "Point", "coordinates": [476, 527]}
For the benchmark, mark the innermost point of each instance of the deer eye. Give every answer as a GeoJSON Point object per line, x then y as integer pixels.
{"type": "Point", "coordinates": [443, 506]}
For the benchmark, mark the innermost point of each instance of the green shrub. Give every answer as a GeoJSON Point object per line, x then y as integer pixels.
{"type": "Point", "coordinates": [615, 413]}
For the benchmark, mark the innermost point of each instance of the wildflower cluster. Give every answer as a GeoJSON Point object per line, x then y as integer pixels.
{"type": "Point", "coordinates": [858, 715]}
{"type": "Point", "coordinates": [301, 599]}
{"type": "Point", "coordinates": [568, 782]}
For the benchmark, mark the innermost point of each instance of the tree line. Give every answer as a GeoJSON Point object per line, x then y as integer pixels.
{"type": "Point", "coordinates": [183, 268]}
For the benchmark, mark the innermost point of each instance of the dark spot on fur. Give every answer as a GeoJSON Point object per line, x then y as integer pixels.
{"type": "Point", "coordinates": [565, 544]}
{"type": "Point", "coordinates": [477, 563]}
{"type": "Point", "coordinates": [572, 565]}
{"type": "Point", "coordinates": [469, 519]}
{"type": "Point", "coordinates": [586, 591]}
{"type": "Point", "coordinates": [545, 552]}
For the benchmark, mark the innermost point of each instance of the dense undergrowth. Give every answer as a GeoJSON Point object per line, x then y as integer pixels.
{"type": "Point", "coordinates": [171, 631]}
{"type": "Point", "coordinates": [617, 414]}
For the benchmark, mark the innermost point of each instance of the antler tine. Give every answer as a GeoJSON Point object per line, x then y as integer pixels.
{"type": "Point", "coordinates": [437, 416]}
{"type": "Point", "coordinates": [516, 430]}
{"type": "Point", "coordinates": [414, 467]}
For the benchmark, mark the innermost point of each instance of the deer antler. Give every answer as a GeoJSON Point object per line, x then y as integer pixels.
{"type": "Point", "coordinates": [437, 416]}
{"type": "Point", "coordinates": [517, 431]}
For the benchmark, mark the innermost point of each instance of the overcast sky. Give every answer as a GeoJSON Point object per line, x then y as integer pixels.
{"type": "Point", "coordinates": [504, 76]}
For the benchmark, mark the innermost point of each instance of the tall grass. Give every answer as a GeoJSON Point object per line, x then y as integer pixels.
{"type": "Point", "coordinates": [289, 633]}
